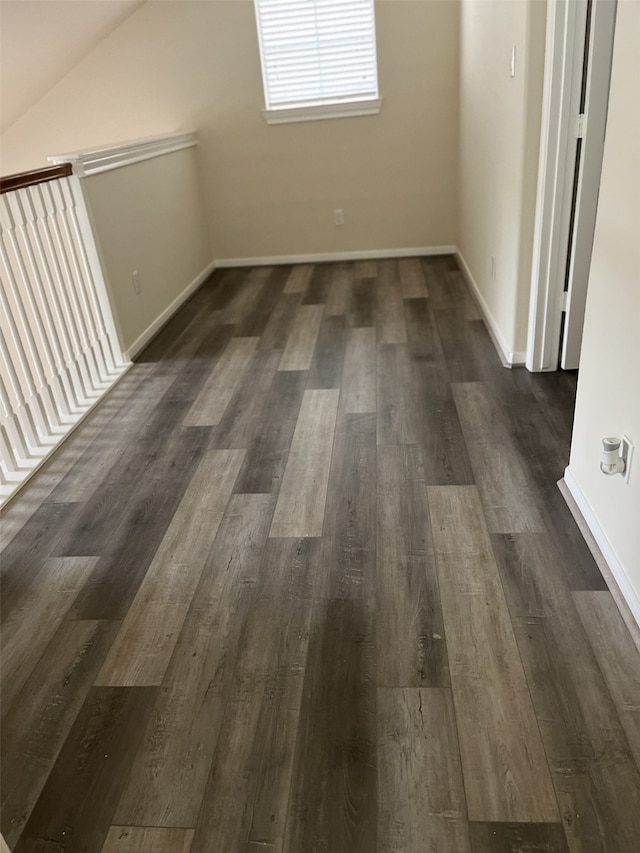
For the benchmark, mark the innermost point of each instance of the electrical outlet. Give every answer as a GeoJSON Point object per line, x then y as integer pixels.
{"type": "Point", "coordinates": [338, 216]}
{"type": "Point", "coordinates": [135, 278]}
{"type": "Point", "coordinates": [626, 451]}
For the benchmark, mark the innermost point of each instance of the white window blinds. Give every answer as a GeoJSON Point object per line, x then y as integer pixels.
{"type": "Point", "coordinates": [317, 52]}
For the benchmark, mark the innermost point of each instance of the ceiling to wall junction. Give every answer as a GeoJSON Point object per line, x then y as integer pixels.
{"type": "Point", "coordinates": [42, 40]}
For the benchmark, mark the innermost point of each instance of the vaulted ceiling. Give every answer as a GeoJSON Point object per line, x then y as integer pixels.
{"type": "Point", "coordinates": [42, 40]}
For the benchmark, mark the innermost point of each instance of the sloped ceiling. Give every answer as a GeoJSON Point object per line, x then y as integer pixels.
{"type": "Point", "coordinates": [42, 40]}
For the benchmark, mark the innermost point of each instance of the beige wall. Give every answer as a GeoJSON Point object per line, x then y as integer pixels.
{"type": "Point", "coordinates": [148, 217]}
{"type": "Point", "coordinates": [271, 190]}
{"type": "Point", "coordinates": [608, 400]}
{"type": "Point", "coordinates": [41, 41]}
{"type": "Point", "coordinates": [499, 141]}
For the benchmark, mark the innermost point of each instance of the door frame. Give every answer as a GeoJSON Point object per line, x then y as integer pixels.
{"type": "Point", "coordinates": [564, 49]}
{"type": "Point", "coordinates": [596, 104]}
{"type": "Point", "coordinates": [564, 54]}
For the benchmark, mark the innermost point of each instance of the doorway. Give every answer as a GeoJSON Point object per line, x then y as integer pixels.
{"type": "Point", "coordinates": [579, 49]}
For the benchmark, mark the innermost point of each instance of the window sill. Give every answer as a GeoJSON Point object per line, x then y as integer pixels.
{"type": "Point", "coordinates": [346, 109]}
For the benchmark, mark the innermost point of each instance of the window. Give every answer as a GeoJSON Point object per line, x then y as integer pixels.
{"type": "Point", "coordinates": [318, 58]}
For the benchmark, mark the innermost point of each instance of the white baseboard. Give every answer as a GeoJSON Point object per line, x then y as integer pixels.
{"type": "Point", "coordinates": [326, 257]}
{"type": "Point", "coordinates": [621, 589]}
{"type": "Point", "coordinates": [507, 356]}
{"type": "Point", "coordinates": [141, 342]}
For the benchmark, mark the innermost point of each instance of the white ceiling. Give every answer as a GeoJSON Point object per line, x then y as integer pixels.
{"type": "Point", "coordinates": [42, 40]}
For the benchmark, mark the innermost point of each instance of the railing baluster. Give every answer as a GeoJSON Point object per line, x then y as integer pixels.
{"type": "Point", "coordinates": [59, 350]}
{"type": "Point", "coordinates": [53, 361]}
{"type": "Point", "coordinates": [88, 257]}
{"type": "Point", "coordinates": [84, 384]}
{"type": "Point", "coordinates": [18, 431]}
{"type": "Point", "coordinates": [76, 278]}
{"type": "Point", "coordinates": [23, 332]}
{"type": "Point", "coordinates": [72, 290]}
{"type": "Point", "coordinates": [60, 334]}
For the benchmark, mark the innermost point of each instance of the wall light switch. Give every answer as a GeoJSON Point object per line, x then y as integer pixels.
{"type": "Point", "coordinates": [513, 61]}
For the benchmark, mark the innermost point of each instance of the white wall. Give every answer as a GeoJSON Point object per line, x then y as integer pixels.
{"type": "Point", "coordinates": [499, 141]}
{"type": "Point", "coordinates": [608, 401]}
{"type": "Point", "coordinates": [149, 217]}
{"type": "Point", "coordinates": [271, 190]}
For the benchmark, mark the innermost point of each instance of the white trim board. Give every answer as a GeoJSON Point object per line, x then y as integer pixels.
{"type": "Point", "coordinates": [97, 160]}
{"type": "Point", "coordinates": [508, 357]}
{"type": "Point", "coordinates": [623, 593]}
{"type": "Point", "coordinates": [565, 28]}
{"type": "Point", "coordinates": [327, 257]}
{"type": "Point", "coordinates": [140, 343]}
{"type": "Point", "coordinates": [345, 109]}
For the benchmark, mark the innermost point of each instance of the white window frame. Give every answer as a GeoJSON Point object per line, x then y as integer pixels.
{"type": "Point", "coordinates": [312, 110]}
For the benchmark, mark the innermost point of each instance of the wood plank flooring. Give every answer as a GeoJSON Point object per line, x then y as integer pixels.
{"type": "Point", "coordinates": [304, 583]}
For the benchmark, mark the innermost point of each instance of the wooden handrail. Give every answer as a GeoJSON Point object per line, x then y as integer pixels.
{"type": "Point", "coordinates": [37, 176]}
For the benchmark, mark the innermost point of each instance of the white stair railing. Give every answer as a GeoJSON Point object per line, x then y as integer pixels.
{"type": "Point", "coordinates": [59, 351]}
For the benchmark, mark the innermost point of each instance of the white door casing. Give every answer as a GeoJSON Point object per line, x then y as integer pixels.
{"type": "Point", "coordinates": [598, 78]}
{"type": "Point", "coordinates": [561, 127]}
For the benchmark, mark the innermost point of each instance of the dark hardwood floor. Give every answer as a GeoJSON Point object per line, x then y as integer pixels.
{"type": "Point", "coordinates": [304, 583]}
